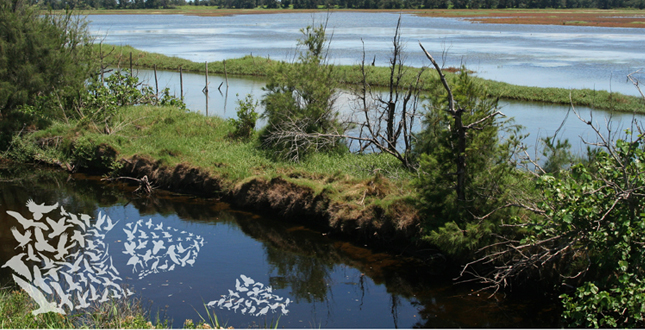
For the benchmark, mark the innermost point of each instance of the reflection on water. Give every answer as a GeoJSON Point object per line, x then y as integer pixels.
{"type": "Point", "coordinates": [301, 275]}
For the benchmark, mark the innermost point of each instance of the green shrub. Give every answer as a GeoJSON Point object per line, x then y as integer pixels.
{"type": "Point", "coordinates": [246, 118]}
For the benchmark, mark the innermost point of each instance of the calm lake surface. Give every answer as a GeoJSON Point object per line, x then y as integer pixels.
{"type": "Point", "coordinates": [328, 282]}
{"type": "Point", "coordinates": [531, 55]}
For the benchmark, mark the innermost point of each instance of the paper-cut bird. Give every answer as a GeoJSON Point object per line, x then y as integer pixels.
{"type": "Point", "coordinates": [44, 306]}
{"type": "Point", "coordinates": [18, 266]}
{"type": "Point", "coordinates": [57, 227]}
{"type": "Point", "coordinates": [23, 239]}
{"type": "Point", "coordinates": [27, 223]}
{"type": "Point", "coordinates": [39, 209]}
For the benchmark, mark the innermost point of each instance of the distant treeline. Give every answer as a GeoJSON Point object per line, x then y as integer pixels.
{"type": "Point", "coordinates": [349, 4]}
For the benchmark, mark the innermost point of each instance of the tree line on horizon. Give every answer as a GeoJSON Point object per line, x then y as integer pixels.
{"type": "Point", "coordinates": [343, 4]}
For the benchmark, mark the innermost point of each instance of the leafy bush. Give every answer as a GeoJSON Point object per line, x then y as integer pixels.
{"type": "Point", "coordinates": [246, 118]}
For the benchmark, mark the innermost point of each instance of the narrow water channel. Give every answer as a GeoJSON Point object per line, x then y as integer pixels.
{"type": "Point", "coordinates": [538, 120]}
{"type": "Point", "coordinates": [319, 281]}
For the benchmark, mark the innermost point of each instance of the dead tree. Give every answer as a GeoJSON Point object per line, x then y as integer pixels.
{"type": "Point", "coordinates": [385, 121]}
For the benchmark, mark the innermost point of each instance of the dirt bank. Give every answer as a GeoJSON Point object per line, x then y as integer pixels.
{"type": "Point", "coordinates": [392, 229]}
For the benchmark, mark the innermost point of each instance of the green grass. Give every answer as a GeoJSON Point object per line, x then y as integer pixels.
{"type": "Point", "coordinates": [172, 137]}
{"type": "Point", "coordinates": [119, 56]}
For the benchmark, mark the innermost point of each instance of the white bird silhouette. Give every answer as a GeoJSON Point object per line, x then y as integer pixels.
{"type": "Point", "coordinates": [142, 244]}
{"type": "Point", "coordinates": [140, 222]}
{"type": "Point", "coordinates": [70, 281]}
{"type": "Point", "coordinates": [171, 268]}
{"type": "Point", "coordinates": [159, 226]}
{"type": "Point", "coordinates": [143, 234]}
{"type": "Point", "coordinates": [105, 296]}
{"type": "Point", "coordinates": [191, 262]}
{"type": "Point", "coordinates": [180, 248]}
{"type": "Point", "coordinates": [87, 219]}
{"type": "Point", "coordinates": [263, 311]}
{"type": "Point", "coordinates": [149, 223]}
{"type": "Point", "coordinates": [62, 211]}
{"type": "Point", "coordinates": [41, 243]}
{"type": "Point", "coordinates": [73, 219]}
{"type": "Point", "coordinates": [247, 280]}
{"type": "Point", "coordinates": [154, 235]}
{"type": "Point", "coordinates": [93, 279]}
{"type": "Point", "coordinates": [62, 249]}
{"type": "Point", "coordinates": [87, 266]}
{"type": "Point", "coordinates": [164, 266]}
{"type": "Point", "coordinates": [75, 267]}
{"type": "Point", "coordinates": [157, 245]}
{"type": "Point", "coordinates": [196, 245]}
{"type": "Point", "coordinates": [30, 254]}
{"type": "Point", "coordinates": [27, 223]}
{"type": "Point", "coordinates": [94, 296]}
{"type": "Point", "coordinates": [44, 306]}
{"type": "Point", "coordinates": [82, 279]}
{"type": "Point", "coordinates": [82, 300]}
{"type": "Point", "coordinates": [100, 220]}
{"type": "Point", "coordinates": [78, 236]}
{"type": "Point", "coordinates": [147, 257]}
{"type": "Point", "coordinates": [240, 288]}
{"type": "Point", "coordinates": [95, 233]}
{"type": "Point", "coordinates": [184, 259]}
{"type": "Point", "coordinates": [129, 248]}
{"type": "Point", "coordinates": [166, 234]}
{"type": "Point", "coordinates": [39, 281]}
{"type": "Point", "coordinates": [57, 227]}
{"type": "Point", "coordinates": [252, 310]}
{"type": "Point", "coordinates": [172, 254]}
{"type": "Point", "coordinates": [110, 224]}
{"type": "Point", "coordinates": [23, 239]}
{"type": "Point", "coordinates": [18, 266]}
{"type": "Point", "coordinates": [134, 260]}
{"type": "Point", "coordinates": [64, 298]}
{"type": "Point", "coordinates": [53, 273]}
{"type": "Point", "coordinates": [130, 233]}
{"type": "Point", "coordinates": [39, 209]}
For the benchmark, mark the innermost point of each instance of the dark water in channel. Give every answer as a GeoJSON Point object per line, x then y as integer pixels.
{"type": "Point", "coordinates": [329, 282]}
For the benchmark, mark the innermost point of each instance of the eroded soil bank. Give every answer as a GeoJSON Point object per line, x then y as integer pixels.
{"type": "Point", "coordinates": [393, 229]}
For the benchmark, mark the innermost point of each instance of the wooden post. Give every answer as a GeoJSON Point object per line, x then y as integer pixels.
{"type": "Point", "coordinates": [206, 87]}
{"type": "Point", "coordinates": [181, 83]}
{"type": "Point", "coordinates": [156, 84]}
{"type": "Point", "coordinates": [130, 64]}
{"type": "Point", "coordinates": [225, 74]}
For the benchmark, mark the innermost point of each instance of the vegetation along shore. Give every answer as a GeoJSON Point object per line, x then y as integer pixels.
{"type": "Point", "coordinates": [570, 225]}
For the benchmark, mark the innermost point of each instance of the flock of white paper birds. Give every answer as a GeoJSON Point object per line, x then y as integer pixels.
{"type": "Point", "coordinates": [88, 274]}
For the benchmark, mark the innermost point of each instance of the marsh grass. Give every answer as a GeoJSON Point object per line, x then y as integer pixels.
{"type": "Point", "coordinates": [119, 56]}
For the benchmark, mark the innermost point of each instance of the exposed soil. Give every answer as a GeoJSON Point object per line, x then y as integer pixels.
{"type": "Point", "coordinates": [581, 17]}
{"type": "Point", "coordinates": [393, 228]}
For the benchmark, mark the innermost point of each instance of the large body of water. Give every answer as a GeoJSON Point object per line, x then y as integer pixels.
{"type": "Point", "coordinates": [531, 55]}
{"type": "Point", "coordinates": [150, 245]}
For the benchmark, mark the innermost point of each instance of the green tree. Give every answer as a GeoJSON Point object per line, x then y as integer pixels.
{"type": "Point", "coordinates": [44, 62]}
{"type": "Point", "coordinates": [465, 170]}
{"type": "Point", "coordinates": [300, 100]}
